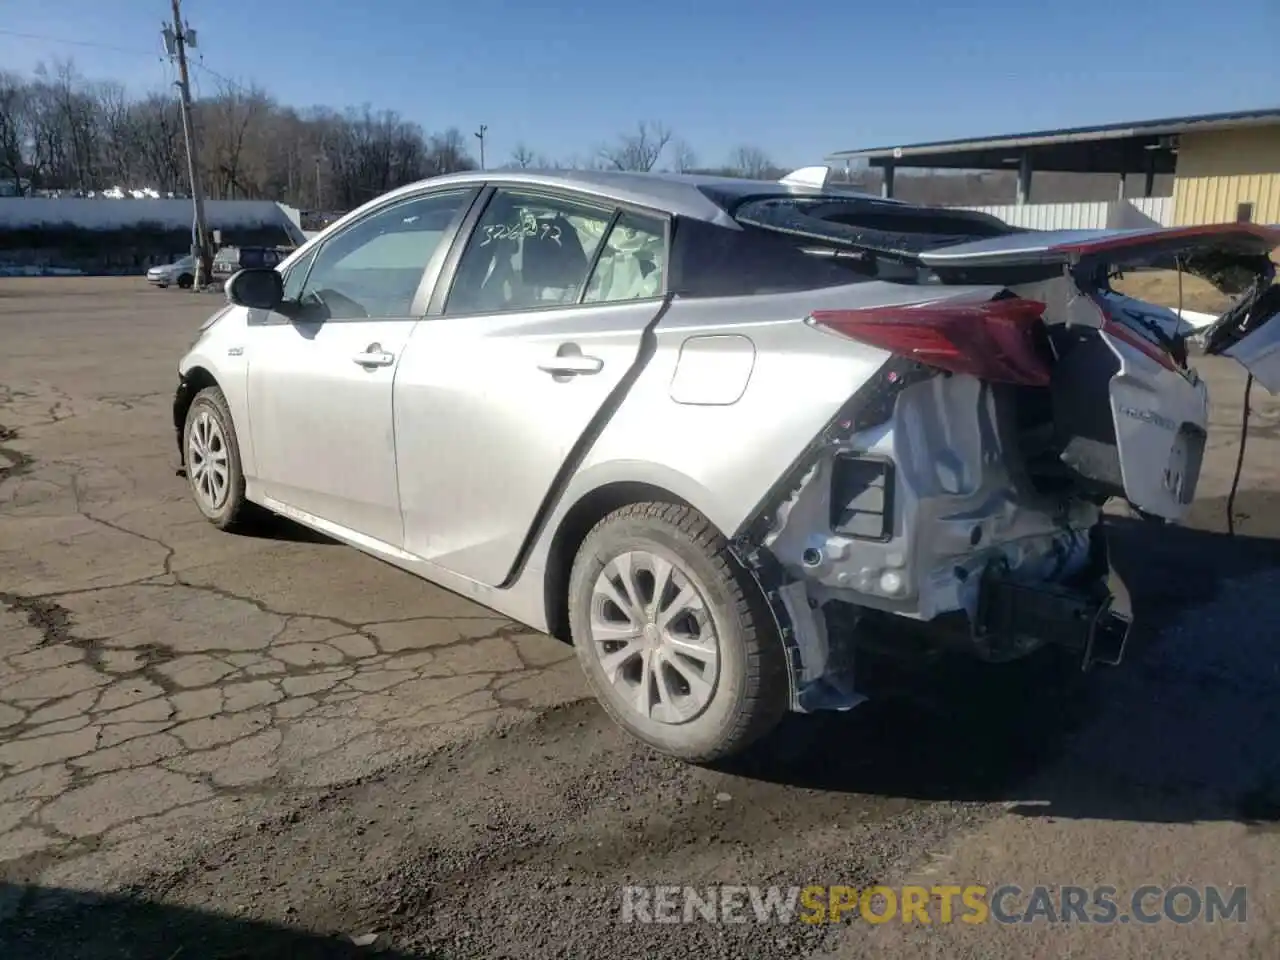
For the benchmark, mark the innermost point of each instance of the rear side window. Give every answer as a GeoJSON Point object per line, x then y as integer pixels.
{"type": "Point", "coordinates": [631, 263]}
{"type": "Point", "coordinates": [713, 261]}
{"type": "Point", "coordinates": [528, 251]}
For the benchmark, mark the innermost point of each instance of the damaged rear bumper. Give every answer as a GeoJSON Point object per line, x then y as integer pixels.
{"type": "Point", "coordinates": [1088, 613]}
{"type": "Point", "coordinates": [1094, 623]}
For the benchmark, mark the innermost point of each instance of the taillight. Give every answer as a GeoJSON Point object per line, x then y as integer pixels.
{"type": "Point", "coordinates": [994, 341]}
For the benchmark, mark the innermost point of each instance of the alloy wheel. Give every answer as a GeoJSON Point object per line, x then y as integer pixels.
{"type": "Point", "coordinates": [208, 463]}
{"type": "Point", "coordinates": [653, 637]}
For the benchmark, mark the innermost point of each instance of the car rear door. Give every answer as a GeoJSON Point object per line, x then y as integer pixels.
{"type": "Point", "coordinates": [539, 328]}
{"type": "Point", "coordinates": [320, 372]}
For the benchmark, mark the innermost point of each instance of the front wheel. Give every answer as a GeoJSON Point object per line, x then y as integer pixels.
{"type": "Point", "coordinates": [212, 456]}
{"type": "Point", "coordinates": [674, 634]}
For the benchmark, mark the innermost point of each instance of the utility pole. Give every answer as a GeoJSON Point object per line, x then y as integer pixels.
{"type": "Point", "coordinates": [480, 136]}
{"type": "Point", "coordinates": [177, 38]}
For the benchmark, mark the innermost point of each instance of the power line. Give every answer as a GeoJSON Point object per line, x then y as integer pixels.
{"type": "Point", "coordinates": [138, 51]}
{"type": "Point", "coordinates": [232, 84]}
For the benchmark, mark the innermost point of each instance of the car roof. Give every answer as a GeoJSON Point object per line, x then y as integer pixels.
{"type": "Point", "coordinates": [698, 196]}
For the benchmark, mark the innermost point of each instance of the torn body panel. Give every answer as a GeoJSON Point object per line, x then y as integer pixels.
{"type": "Point", "coordinates": [1127, 416]}
{"type": "Point", "coordinates": [925, 518]}
{"type": "Point", "coordinates": [922, 504]}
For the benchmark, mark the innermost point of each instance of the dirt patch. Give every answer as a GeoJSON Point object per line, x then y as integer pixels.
{"type": "Point", "coordinates": [1161, 287]}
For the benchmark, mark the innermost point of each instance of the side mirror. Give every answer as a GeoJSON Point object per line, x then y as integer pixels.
{"type": "Point", "coordinates": [258, 288]}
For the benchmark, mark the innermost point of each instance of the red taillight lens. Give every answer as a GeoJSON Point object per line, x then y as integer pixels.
{"type": "Point", "coordinates": [992, 341]}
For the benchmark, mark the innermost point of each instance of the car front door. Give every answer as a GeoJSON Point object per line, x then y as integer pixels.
{"type": "Point", "coordinates": [320, 370]}
{"type": "Point", "coordinates": [545, 315]}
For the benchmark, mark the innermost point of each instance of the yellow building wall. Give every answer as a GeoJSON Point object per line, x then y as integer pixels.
{"type": "Point", "coordinates": [1218, 171]}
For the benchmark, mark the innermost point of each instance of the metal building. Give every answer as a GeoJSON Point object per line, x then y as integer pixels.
{"type": "Point", "coordinates": [1225, 166]}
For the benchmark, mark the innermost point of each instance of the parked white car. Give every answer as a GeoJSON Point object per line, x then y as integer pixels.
{"type": "Point", "coordinates": [180, 272]}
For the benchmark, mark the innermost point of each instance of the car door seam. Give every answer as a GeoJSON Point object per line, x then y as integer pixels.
{"type": "Point", "coordinates": [583, 444]}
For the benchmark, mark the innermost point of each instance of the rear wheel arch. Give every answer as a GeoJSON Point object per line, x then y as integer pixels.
{"type": "Point", "coordinates": [589, 510]}
{"type": "Point", "coordinates": [679, 645]}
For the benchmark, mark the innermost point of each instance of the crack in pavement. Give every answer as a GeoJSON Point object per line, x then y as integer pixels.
{"type": "Point", "coordinates": [140, 689]}
{"type": "Point", "coordinates": [13, 462]}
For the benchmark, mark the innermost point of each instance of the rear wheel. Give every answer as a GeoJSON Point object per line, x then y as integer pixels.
{"type": "Point", "coordinates": [185, 281]}
{"type": "Point", "coordinates": [212, 456]}
{"type": "Point", "coordinates": [674, 635]}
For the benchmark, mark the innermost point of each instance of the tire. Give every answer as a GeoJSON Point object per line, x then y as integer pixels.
{"type": "Point", "coordinates": [737, 659]}
{"type": "Point", "coordinates": [210, 427]}
{"type": "Point", "coordinates": [185, 281]}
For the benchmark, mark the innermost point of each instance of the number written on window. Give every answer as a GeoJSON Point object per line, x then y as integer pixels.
{"type": "Point", "coordinates": [527, 229]}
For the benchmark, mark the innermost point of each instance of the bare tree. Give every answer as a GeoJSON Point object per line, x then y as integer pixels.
{"type": "Point", "coordinates": [522, 157]}
{"type": "Point", "coordinates": [752, 163]}
{"type": "Point", "coordinates": [447, 153]}
{"type": "Point", "coordinates": [13, 128]}
{"type": "Point", "coordinates": [685, 159]}
{"type": "Point", "coordinates": [157, 131]}
{"type": "Point", "coordinates": [118, 136]}
{"type": "Point", "coordinates": [637, 151]}
{"type": "Point", "coordinates": [233, 124]}
{"type": "Point", "coordinates": [59, 132]}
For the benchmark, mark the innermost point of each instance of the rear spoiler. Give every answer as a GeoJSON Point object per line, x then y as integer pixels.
{"type": "Point", "coordinates": [1229, 255]}
{"type": "Point", "coordinates": [1068, 246]}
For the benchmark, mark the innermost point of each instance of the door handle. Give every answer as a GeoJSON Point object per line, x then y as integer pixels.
{"type": "Point", "coordinates": [571, 365]}
{"type": "Point", "coordinates": [374, 356]}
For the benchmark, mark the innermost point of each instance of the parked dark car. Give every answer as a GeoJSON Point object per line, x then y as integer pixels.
{"type": "Point", "coordinates": [231, 259]}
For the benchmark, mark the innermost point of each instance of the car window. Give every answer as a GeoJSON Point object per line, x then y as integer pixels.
{"type": "Point", "coordinates": [632, 263]}
{"type": "Point", "coordinates": [297, 274]}
{"type": "Point", "coordinates": [527, 251]}
{"type": "Point", "coordinates": [373, 267]}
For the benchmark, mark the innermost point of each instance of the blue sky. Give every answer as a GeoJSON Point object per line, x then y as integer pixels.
{"type": "Point", "coordinates": [797, 79]}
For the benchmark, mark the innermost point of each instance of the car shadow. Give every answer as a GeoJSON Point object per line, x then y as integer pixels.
{"type": "Point", "coordinates": [1187, 728]}
{"type": "Point", "coordinates": [272, 526]}
{"type": "Point", "coordinates": [40, 923]}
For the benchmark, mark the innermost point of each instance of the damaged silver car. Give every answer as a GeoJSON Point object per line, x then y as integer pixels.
{"type": "Point", "coordinates": [720, 433]}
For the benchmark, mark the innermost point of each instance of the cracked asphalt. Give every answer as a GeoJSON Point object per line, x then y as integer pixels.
{"type": "Point", "coordinates": [270, 745]}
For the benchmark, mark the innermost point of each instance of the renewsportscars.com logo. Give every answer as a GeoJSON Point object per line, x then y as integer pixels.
{"type": "Point", "coordinates": [939, 904]}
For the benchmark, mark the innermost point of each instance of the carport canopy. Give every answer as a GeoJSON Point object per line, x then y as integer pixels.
{"type": "Point", "coordinates": [1148, 147]}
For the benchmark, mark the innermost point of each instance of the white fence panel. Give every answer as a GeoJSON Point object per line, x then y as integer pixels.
{"type": "Point", "coordinates": [1051, 216]}
{"type": "Point", "coordinates": [1096, 215]}
{"type": "Point", "coordinates": [1159, 209]}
